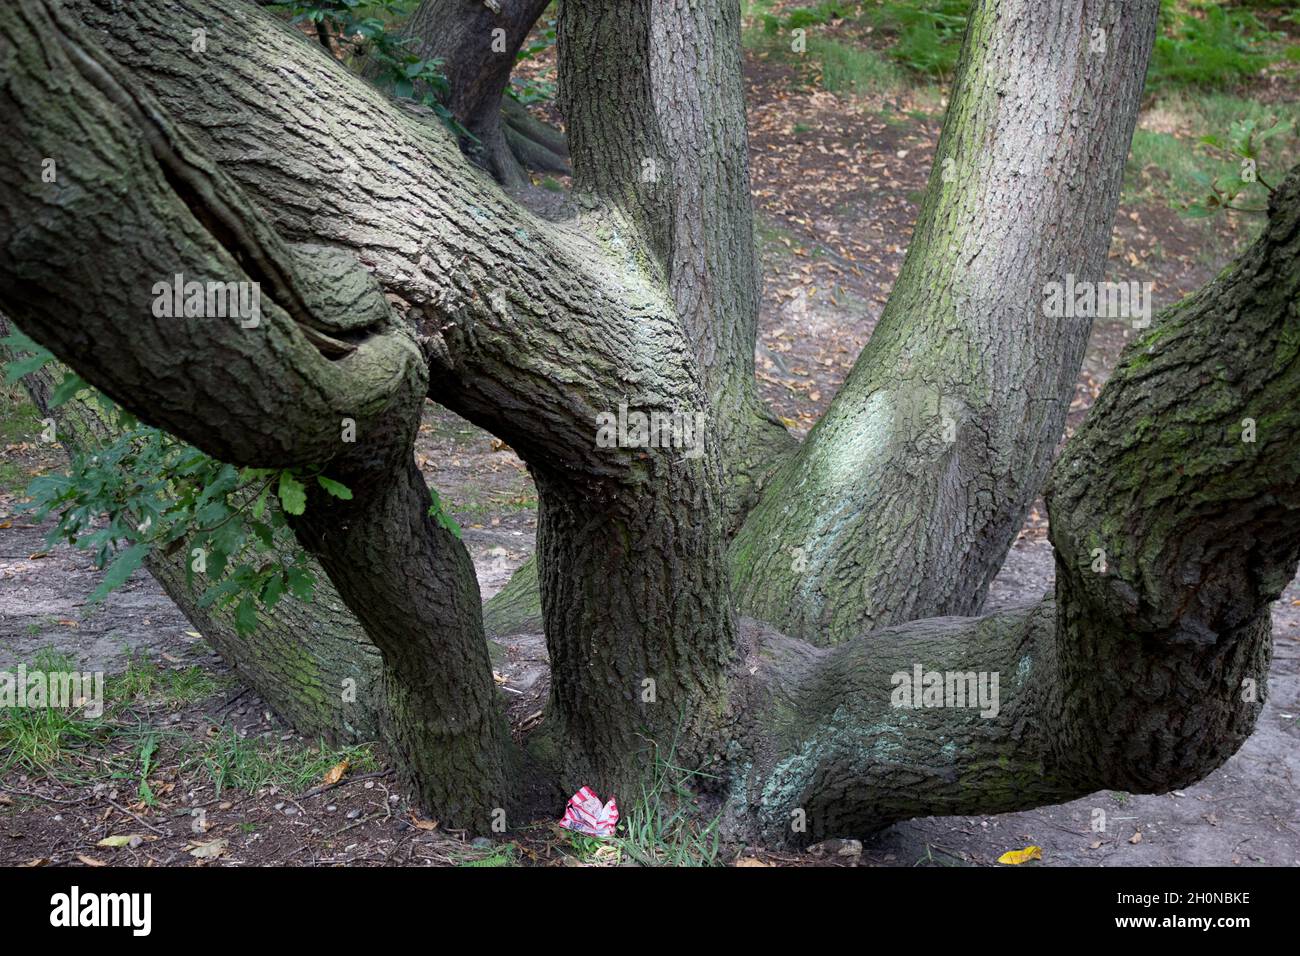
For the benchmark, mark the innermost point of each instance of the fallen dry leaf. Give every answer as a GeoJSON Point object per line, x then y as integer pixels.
{"type": "Point", "coordinates": [335, 773]}
{"type": "Point", "coordinates": [1136, 838]}
{"type": "Point", "coordinates": [751, 861]}
{"type": "Point", "coordinates": [209, 851]}
{"type": "Point", "coordinates": [1016, 857]}
{"type": "Point", "coordinates": [123, 839]}
{"type": "Point", "coordinates": [423, 824]}
{"type": "Point", "coordinates": [90, 860]}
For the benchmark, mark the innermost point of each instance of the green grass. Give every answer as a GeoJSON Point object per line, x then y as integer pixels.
{"type": "Point", "coordinates": [145, 682]}
{"type": "Point", "coordinates": [19, 422]}
{"type": "Point", "coordinates": [249, 764]}
{"type": "Point", "coordinates": [504, 855]}
{"type": "Point", "coordinates": [123, 745]}
{"type": "Point", "coordinates": [662, 827]}
{"type": "Point", "coordinates": [850, 69]}
{"type": "Point", "coordinates": [1171, 168]}
{"type": "Point", "coordinates": [1210, 46]}
{"type": "Point", "coordinates": [45, 740]}
{"type": "Point", "coordinates": [924, 35]}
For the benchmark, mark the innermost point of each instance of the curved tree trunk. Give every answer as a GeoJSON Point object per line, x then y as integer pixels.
{"type": "Point", "coordinates": [905, 497]}
{"type": "Point", "coordinates": [1142, 677]}
{"type": "Point", "coordinates": [535, 330]}
{"type": "Point", "coordinates": [325, 350]}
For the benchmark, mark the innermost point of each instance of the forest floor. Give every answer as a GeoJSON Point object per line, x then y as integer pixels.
{"type": "Point", "coordinates": [189, 768]}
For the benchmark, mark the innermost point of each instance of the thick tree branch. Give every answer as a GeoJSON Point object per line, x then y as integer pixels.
{"type": "Point", "coordinates": [531, 328]}
{"type": "Point", "coordinates": [137, 211]}
{"type": "Point", "coordinates": [1148, 670]}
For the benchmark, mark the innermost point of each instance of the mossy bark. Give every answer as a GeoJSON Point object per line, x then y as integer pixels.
{"type": "Point", "coordinates": [905, 497]}
{"type": "Point", "coordinates": [1149, 668]}
{"type": "Point", "coordinates": [532, 329]}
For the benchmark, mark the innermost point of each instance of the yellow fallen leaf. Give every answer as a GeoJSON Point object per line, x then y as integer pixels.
{"type": "Point", "coordinates": [1136, 838]}
{"type": "Point", "coordinates": [193, 634]}
{"type": "Point", "coordinates": [209, 851]}
{"type": "Point", "coordinates": [751, 861]}
{"type": "Point", "coordinates": [90, 860]}
{"type": "Point", "coordinates": [335, 774]}
{"type": "Point", "coordinates": [120, 840]}
{"type": "Point", "coordinates": [1016, 857]}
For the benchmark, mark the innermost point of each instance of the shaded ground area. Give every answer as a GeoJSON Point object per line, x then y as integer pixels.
{"type": "Point", "coordinates": [195, 770]}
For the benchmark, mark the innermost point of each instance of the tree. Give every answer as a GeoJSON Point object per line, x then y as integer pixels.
{"type": "Point", "coordinates": [390, 271]}
{"type": "Point", "coordinates": [478, 43]}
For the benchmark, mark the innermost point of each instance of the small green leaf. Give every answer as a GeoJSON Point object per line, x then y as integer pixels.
{"type": "Point", "coordinates": [259, 506]}
{"type": "Point", "coordinates": [300, 582]}
{"type": "Point", "coordinates": [121, 569]}
{"type": "Point", "coordinates": [335, 488]}
{"type": "Point", "coordinates": [246, 615]}
{"type": "Point", "coordinates": [293, 494]}
{"type": "Point", "coordinates": [72, 384]}
{"type": "Point", "coordinates": [25, 366]}
{"type": "Point", "coordinates": [274, 588]}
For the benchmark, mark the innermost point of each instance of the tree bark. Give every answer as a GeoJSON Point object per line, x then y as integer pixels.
{"type": "Point", "coordinates": [673, 159]}
{"type": "Point", "coordinates": [904, 499]}
{"type": "Point", "coordinates": [1142, 677]}
{"type": "Point", "coordinates": [325, 351]}
{"type": "Point", "coordinates": [479, 43]}
{"type": "Point", "coordinates": [1131, 679]}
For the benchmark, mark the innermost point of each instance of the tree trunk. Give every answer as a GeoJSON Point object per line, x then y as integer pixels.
{"type": "Point", "coordinates": [537, 331]}
{"type": "Point", "coordinates": [325, 352]}
{"type": "Point", "coordinates": [311, 663]}
{"type": "Point", "coordinates": [904, 499]}
{"type": "Point", "coordinates": [673, 159]}
{"type": "Point", "coordinates": [1144, 676]}
{"type": "Point", "coordinates": [478, 45]}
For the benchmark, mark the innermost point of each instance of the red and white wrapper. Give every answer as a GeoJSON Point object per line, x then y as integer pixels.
{"type": "Point", "coordinates": [586, 815]}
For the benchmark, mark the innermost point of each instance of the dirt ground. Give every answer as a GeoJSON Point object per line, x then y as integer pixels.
{"type": "Point", "coordinates": [836, 185]}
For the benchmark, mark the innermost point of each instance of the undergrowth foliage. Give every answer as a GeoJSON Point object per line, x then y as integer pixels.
{"type": "Point", "coordinates": [145, 489]}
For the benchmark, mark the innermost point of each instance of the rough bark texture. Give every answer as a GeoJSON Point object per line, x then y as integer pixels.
{"type": "Point", "coordinates": [530, 328]}
{"type": "Point", "coordinates": [653, 95]}
{"type": "Point", "coordinates": [1186, 475]}
{"type": "Point", "coordinates": [1143, 677]}
{"type": "Point", "coordinates": [1130, 679]}
{"type": "Point", "coordinates": [907, 494]}
{"type": "Point", "coordinates": [326, 349]}
{"type": "Point", "coordinates": [300, 658]}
